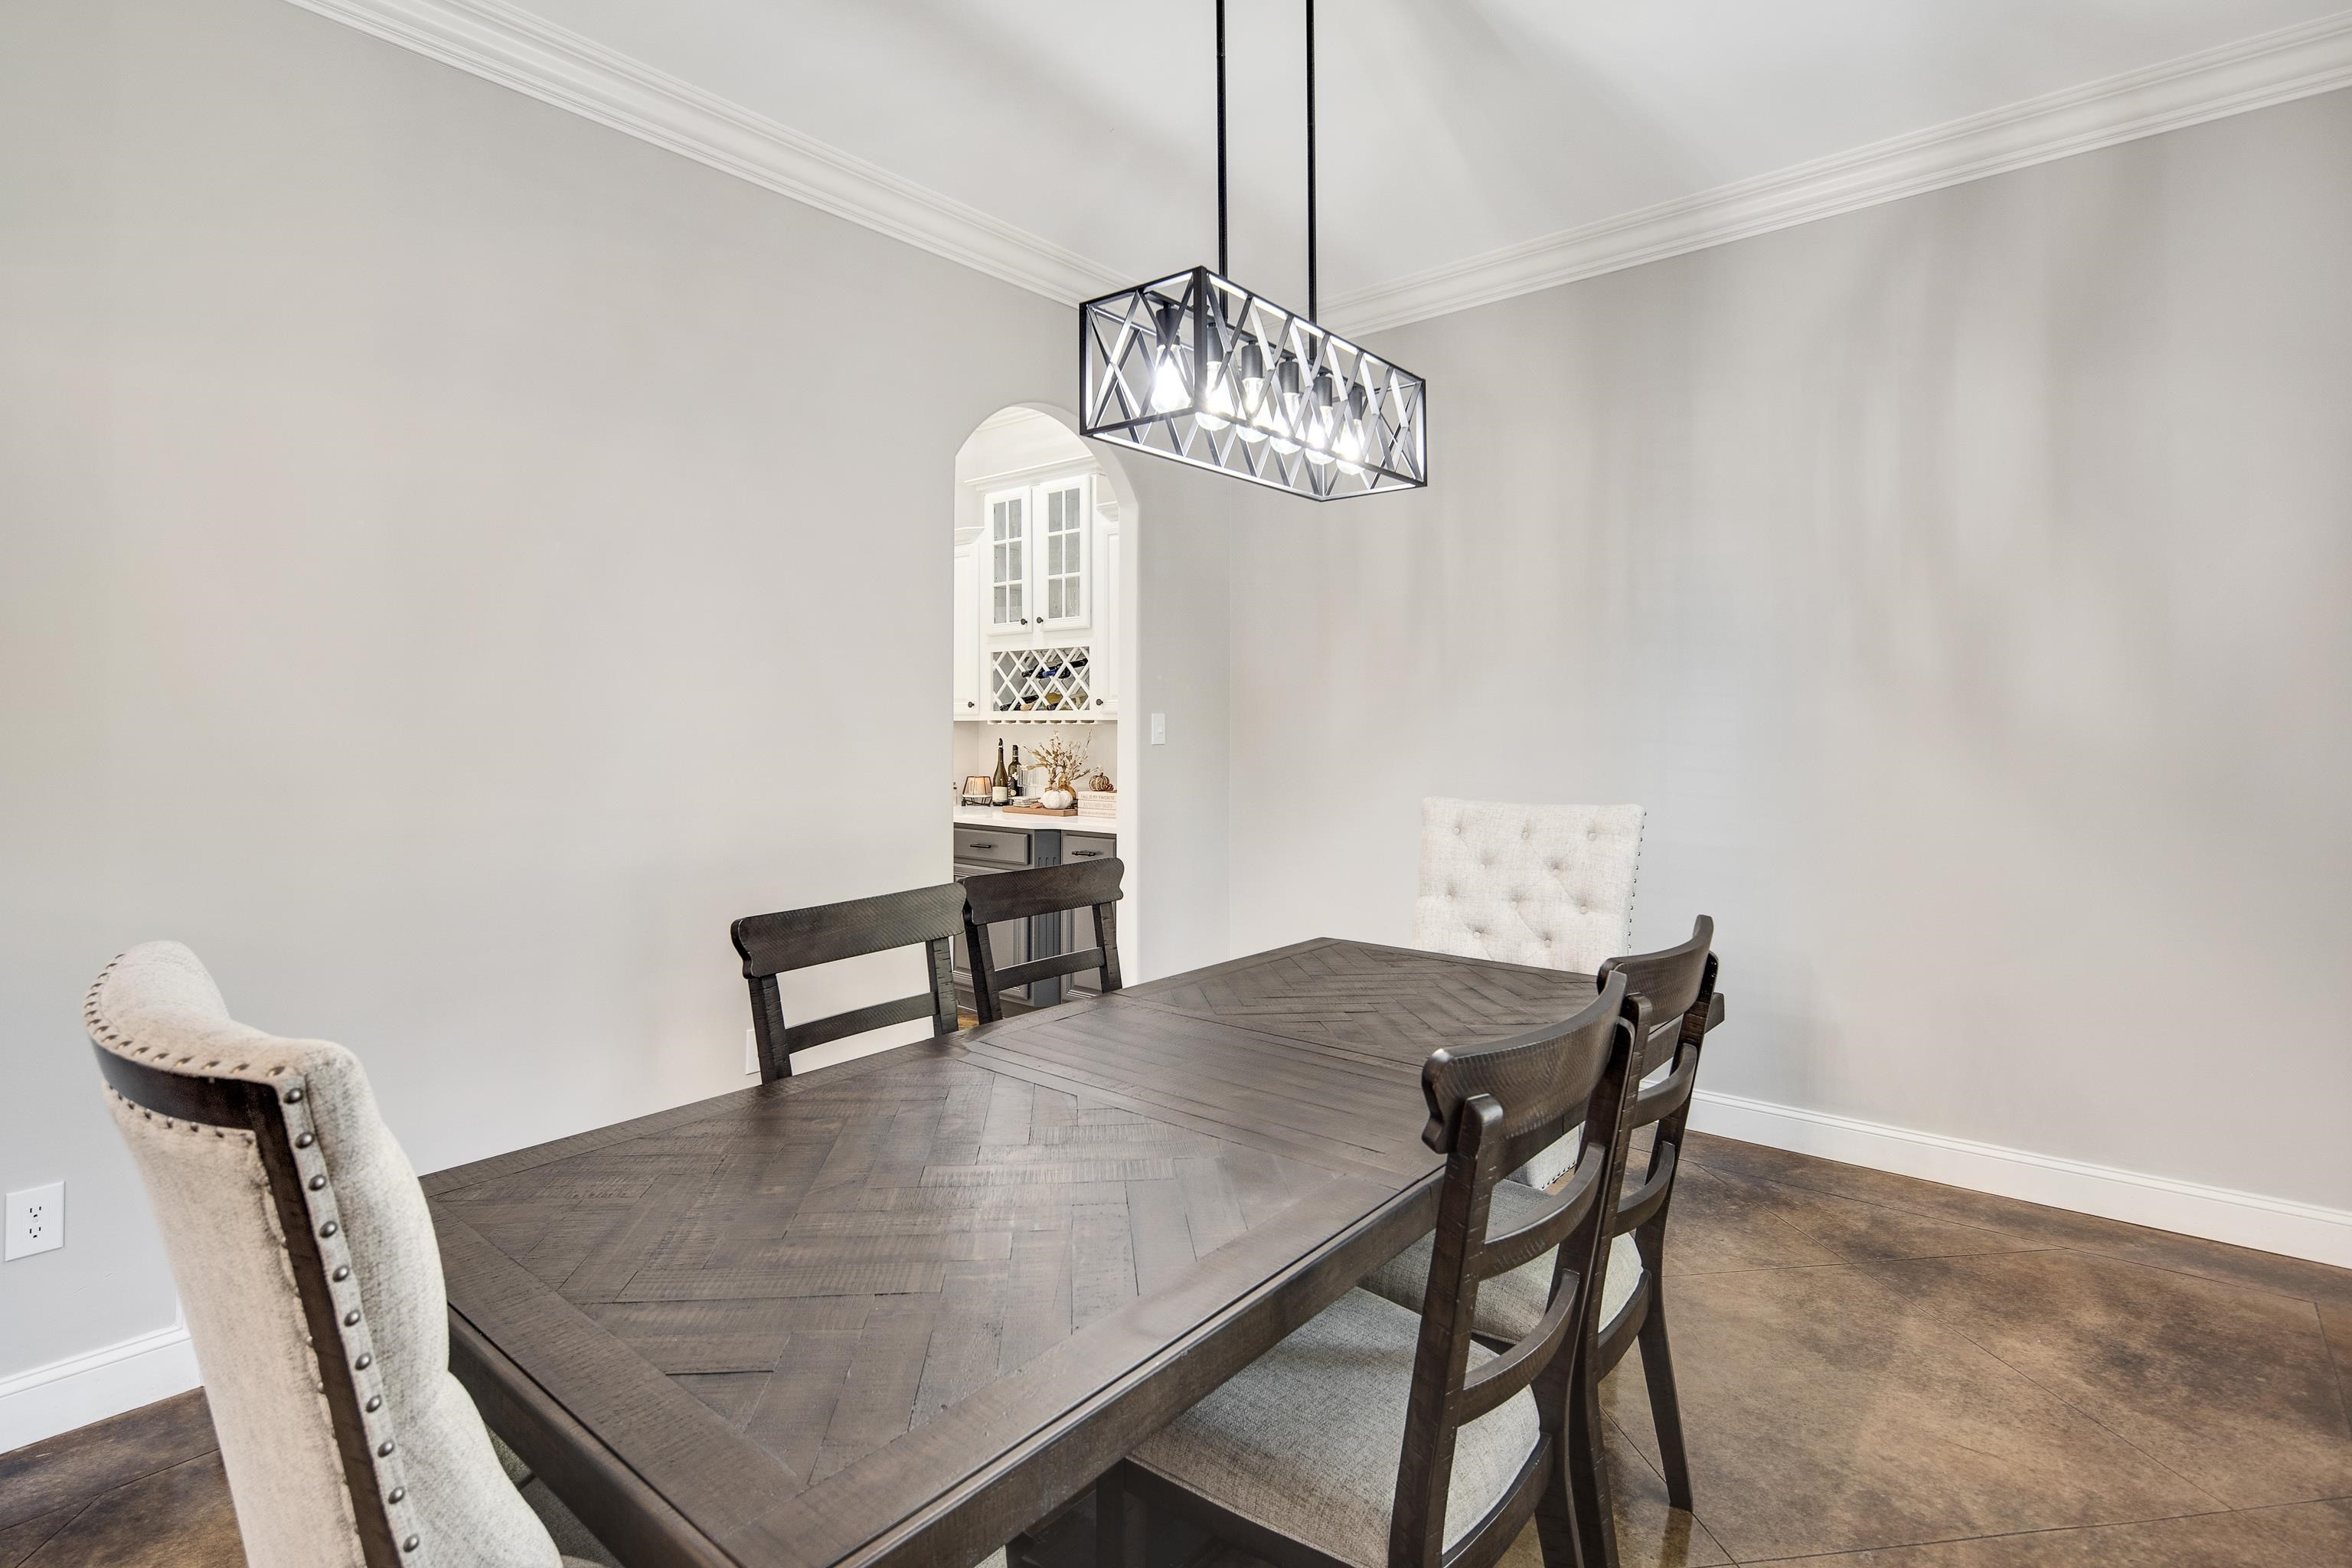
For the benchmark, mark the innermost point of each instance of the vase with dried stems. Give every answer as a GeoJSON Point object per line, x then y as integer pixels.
{"type": "Point", "coordinates": [1063, 760]}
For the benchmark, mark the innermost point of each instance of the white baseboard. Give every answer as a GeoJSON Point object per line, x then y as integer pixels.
{"type": "Point", "coordinates": [47, 1400]}
{"type": "Point", "coordinates": [2217, 1214]}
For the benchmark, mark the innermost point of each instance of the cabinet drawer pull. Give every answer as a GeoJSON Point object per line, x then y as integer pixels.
{"type": "Point", "coordinates": [981, 844]}
{"type": "Point", "coordinates": [1086, 854]}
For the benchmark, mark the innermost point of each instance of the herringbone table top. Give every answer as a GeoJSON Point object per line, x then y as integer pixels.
{"type": "Point", "coordinates": [899, 1308]}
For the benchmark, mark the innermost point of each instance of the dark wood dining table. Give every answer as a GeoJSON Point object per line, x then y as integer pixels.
{"type": "Point", "coordinates": [897, 1309]}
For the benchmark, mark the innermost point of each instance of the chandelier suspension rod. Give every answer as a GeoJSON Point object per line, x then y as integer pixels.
{"type": "Point", "coordinates": [1224, 267]}
{"type": "Point", "coordinates": [1313, 313]}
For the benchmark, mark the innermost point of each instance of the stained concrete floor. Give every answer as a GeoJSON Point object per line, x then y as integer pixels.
{"type": "Point", "coordinates": [1874, 1370]}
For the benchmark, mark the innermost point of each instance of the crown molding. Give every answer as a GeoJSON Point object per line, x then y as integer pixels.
{"type": "Point", "coordinates": [2254, 73]}
{"type": "Point", "coordinates": [514, 49]}
{"type": "Point", "coordinates": [504, 44]}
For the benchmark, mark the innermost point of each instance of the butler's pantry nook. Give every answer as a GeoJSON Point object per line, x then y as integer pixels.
{"type": "Point", "coordinates": [1175, 784]}
{"type": "Point", "coordinates": [1042, 602]}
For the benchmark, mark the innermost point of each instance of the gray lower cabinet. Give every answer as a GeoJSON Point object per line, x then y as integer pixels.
{"type": "Point", "coordinates": [984, 851]}
{"type": "Point", "coordinates": [991, 849]}
{"type": "Point", "coordinates": [1078, 925]}
{"type": "Point", "coordinates": [1089, 845]}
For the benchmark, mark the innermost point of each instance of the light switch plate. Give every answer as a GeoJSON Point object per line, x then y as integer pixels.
{"type": "Point", "coordinates": [36, 1222]}
{"type": "Point", "coordinates": [1160, 728]}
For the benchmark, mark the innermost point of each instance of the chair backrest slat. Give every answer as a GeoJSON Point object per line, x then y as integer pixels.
{"type": "Point", "coordinates": [1014, 975]}
{"type": "Point", "coordinates": [1508, 1251]}
{"type": "Point", "coordinates": [823, 933]}
{"type": "Point", "coordinates": [791, 940]}
{"type": "Point", "coordinates": [857, 1021]}
{"type": "Point", "coordinates": [1487, 1104]}
{"type": "Point", "coordinates": [1024, 895]}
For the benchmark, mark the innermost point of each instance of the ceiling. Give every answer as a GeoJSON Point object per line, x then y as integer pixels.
{"type": "Point", "coordinates": [1450, 129]}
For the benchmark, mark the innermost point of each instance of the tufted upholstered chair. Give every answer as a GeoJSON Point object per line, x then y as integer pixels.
{"type": "Point", "coordinates": [306, 1260]}
{"type": "Point", "coordinates": [1545, 885]}
{"type": "Point", "coordinates": [1550, 886]}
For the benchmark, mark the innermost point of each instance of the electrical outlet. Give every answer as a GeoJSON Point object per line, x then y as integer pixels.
{"type": "Point", "coordinates": [1160, 728]}
{"type": "Point", "coordinates": [36, 1221]}
{"type": "Point", "coordinates": [750, 1050]}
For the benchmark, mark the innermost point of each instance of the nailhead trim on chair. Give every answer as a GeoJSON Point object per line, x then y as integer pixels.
{"type": "Point", "coordinates": [319, 1198]}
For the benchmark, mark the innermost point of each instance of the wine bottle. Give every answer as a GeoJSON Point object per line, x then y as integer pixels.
{"type": "Point", "coordinates": [1000, 788]}
{"type": "Point", "coordinates": [1016, 773]}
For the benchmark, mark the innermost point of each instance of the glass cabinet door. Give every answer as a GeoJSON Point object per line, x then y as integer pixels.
{"type": "Point", "coordinates": [1067, 520]}
{"type": "Point", "coordinates": [1008, 561]}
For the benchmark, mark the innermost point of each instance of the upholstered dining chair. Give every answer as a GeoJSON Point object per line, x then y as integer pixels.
{"type": "Point", "coordinates": [1678, 984]}
{"type": "Point", "coordinates": [305, 1259]}
{"type": "Point", "coordinates": [1549, 886]}
{"type": "Point", "coordinates": [1375, 1434]}
{"type": "Point", "coordinates": [1024, 895]}
{"type": "Point", "coordinates": [775, 945]}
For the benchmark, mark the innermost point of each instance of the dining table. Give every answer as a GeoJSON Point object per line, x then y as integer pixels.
{"type": "Point", "coordinates": [898, 1310]}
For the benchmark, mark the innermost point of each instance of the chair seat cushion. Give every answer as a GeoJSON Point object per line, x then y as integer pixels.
{"type": "Point", "coordinates": [1305, 1439]}
{"type": "Point", "coordinates": [1510, 1305]}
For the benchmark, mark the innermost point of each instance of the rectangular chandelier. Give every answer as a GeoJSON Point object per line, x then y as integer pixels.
{"type": "Point", "coordinates": [1197, 368]}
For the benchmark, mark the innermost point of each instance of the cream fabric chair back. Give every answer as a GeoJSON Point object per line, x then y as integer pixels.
{"type": "Point", "coordinates": [1550, 886]}
{"type": "Point", "coordinates": [305, 1259]}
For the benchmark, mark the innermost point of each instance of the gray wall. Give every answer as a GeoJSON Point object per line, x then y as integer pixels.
{"type": "Point", "coordinates": [1961, 583]}
{"type": "Point", "coordinates": [457, 558]}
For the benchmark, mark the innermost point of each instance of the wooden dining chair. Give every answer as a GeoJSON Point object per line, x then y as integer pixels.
{"type": "Point", "coordinates": [1550, 886]}
{"type": "Point", "coordinates": [1678, 984]}
{"type": "Point", "coordinates": [799, 939]}
{"type": "Point", "coordinates": [1373, 1436]}
{"type": "Point", "coordinates": [306, 1263]}
{"type": "Point", "coordinates": [1024, 895]}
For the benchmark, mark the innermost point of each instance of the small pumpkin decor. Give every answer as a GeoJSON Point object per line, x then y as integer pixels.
{"type": "Point", "coordinates": [1061, 761]}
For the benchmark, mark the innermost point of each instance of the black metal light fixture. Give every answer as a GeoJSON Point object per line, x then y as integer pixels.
{"type": "Point", "coordinates": [1196, 367]}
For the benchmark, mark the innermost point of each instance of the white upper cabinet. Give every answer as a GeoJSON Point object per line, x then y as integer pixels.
{"type": "Point", "coordinates": [1040, 576]}
{"type": "Point", "coordinates": [1042, 587]}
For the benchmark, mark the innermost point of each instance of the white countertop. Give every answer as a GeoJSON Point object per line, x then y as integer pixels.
{"type": "Point", "coordinates": [990, 817]}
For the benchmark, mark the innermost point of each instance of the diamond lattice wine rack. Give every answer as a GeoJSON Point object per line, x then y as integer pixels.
{"type": "Point", "coordinates": [1197, 368]}
{"type": "Point", "coordinates": [1040, 683]}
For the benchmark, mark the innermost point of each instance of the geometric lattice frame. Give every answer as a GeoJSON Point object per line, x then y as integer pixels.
{"type": "Point", "coordinates": [1197, 368]}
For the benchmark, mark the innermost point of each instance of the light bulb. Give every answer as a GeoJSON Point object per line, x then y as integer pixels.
{"type": "Point", "coordinates": [1216, 409]}
{"type": "Point", "coordinates": [1216, 401]}
{"type": "Point", "coordinates": [1322, 405]}
{"type": "Point", "coordinates": [1170, 394]}
{"type": "Point", "coordinates": [1249, 366]}
{"type": "Point", "coordinates": [1350, 443]}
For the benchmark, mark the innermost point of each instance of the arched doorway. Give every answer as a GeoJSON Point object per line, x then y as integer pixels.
{"type": "Point", "coordinates": [1043, 658]}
